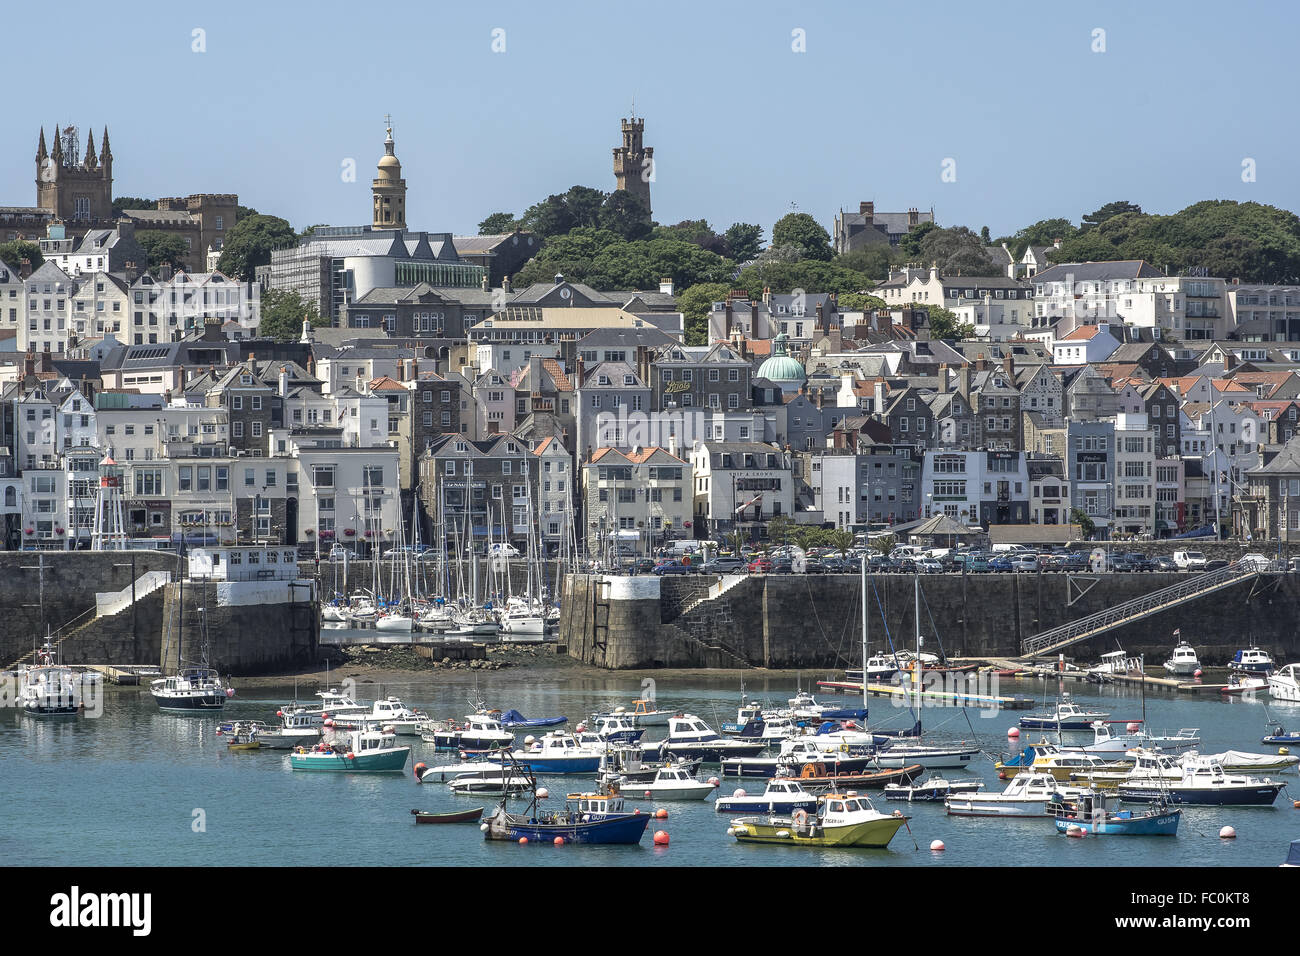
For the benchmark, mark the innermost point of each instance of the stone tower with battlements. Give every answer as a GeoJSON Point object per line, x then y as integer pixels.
{"type": "Point", "coordinates": [74, 188]}
{"type": "Point", "coordinates": [634, 162]}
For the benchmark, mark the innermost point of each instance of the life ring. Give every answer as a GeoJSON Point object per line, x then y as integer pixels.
{"type": "Point", "coordinates": [844, 748]}
{"type": "Point", "coordinates": [807, 772]}
{"type": "Point", "coordinates": [799, 817]}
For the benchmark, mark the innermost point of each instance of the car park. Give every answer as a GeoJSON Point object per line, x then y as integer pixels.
{"type": "Point", "coordinates": [928, 566]}
{"type": "Point", "coordinates": [814, 566]}
{"type": "Point", "coordinates": [672, 567]}
{"type": "Point", "coordinates": [1025, 562]}
{"type": "Point", "coordinates": [782, 566]}
{"type": "Point", "coordinates": [643, 566]}
{"type": "Point", "coordinates": [1164, 562]}
{"type": "Point", "coordinates": [760, 565]}
{"type": "Point", "coordinates": [1000, 563]}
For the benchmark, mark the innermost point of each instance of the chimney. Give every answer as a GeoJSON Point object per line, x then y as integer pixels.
{"type": "Point", "coordinates": [284, 381]}
{"type": "Point", "coordinates": [505, 284]}
{"type": "Point", "coordinates": [165, 272]}
{"type": "Point", "coordinates": [821, 398]}
{"type": "Point", "coordinates": [868, 211]}
{"type": "Point", "coordinates": [1009, 366]}
{"type": "Point", "coordinates": [943, 379]}
{"type": "Point", "coordinates": [1056, 243]}
{"type": "Point", "coordinates": [913, 217]}
{"type": "Point", "coordinates": [767, 296]}
{"type": "Point", "coordinates": [1229, 361]}
{"type": "Point", "coordinates": [578, 373]}
{"type": "Point", "coordinates": [753, 318]}
{"type": "Point", "coordinates": [666, 286]}
{"type": "Point", "coordinates": [24, 268]}
{"type": "Point", "coordinates": [963, 381]}
{"type": "Point", "coordinates": [559, 277]}
{"type": "Point", "coordinates": [132, 273]}
{"type": "Point", "coordinates": [727, 326]}
{"type": "Point", "coordinates": [484, 284]}
{"type": "Point", "coordinates": [880, 397]}
{"type": "Point", "coordinates": [821, 318]}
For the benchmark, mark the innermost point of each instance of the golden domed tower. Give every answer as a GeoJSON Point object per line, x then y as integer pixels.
{"type": "Point", "coordinates": [389, 190]}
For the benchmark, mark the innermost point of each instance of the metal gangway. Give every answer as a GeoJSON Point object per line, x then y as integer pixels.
{"type": "Point", "coordinates": [1057, 638]}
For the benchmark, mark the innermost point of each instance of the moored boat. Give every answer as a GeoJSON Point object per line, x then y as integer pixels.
{"type": "Point", "coordinates": [1089, 813]}
{"type": "Point", "coordinates": [841, 821]}
{"type": "Point", "coordinates": [1067, 715]}
{"type": "Point", "coordinates": [455, 816]}
{"type": "Point", "coordinates": [782, 795]}
{"type": "Point", "coordinates": [365, 751]}
{"type": "Point", "coordinates": [1252, 661]}
{"type": "Point", "coordinates": [593, 818]}
{"type": "Point", "coordinates": [1183, 662]}
{"type": "Point", "coordinates": [931, 788]}
{"type": "Point", "coordinates": [1205, 783]}
{"type": "Point", "coordinates": [669, 783]}
{"type": "Point", "coordinates": [1025, 796]}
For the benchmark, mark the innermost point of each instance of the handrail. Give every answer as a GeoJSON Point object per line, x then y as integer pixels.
{"type": "Point", "coordinates": [1140, 607]}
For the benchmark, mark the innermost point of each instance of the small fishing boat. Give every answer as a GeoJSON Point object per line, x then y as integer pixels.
{"type": "Point", "coordinates": [931, 788]}
{"type": "Point", "coordinates": [1025, 796]}
{"type": "Point", "coordinates": [1106, 742]}
{"type": "Point", "coordinates": [1252, 661]}
{"type": "Point", "coordinates": [243, 735]}
{"type": "Point", "coordinates": [794, 754]}
{"type": "Point", "coordinates": [297, 726]}
{"type": "Point", "coordinates": [841, 821]}
{"type": "Point", "coordinates": [593, 818]}
{"type": "Point", "coordinates": [365, 751]}
{"type": "Point", "coordinates": [1012, 764]}
{"type": "Point", "coordinates": [448, 772]}
{"type": "Point", "coordinates": [1205, 783]}
{"type": "Point", "coordinates": [1183, 662]}
{"type": "Point", "coordinates": [556, 753]}
{"type": "Point", "coordinates": [627, 765]}
{"type": "Point", "coordinates": [389, 712]}
{"type": "Point", "coordinates": [1067, 715]}
{"type": "Point", "coordinates": [669, 783]}
{"type": "Point", "coordinates": [1089, 813]}
{"type": "Point", "coordinates": [1237, 761]}
{"type": "Point", "coordinates": [1285, 684]}
{"type": "Point", "coordinates": [493, 782]}
{"type": "Point", "coordinates": [782, 795]}
{"type": "Point", "coordinates": [455, 816]}
{"type": "Point", "coordinates": [513, 720]}
{"type": "Point", "coordinates": [820, 776]}
{"type": "Point", "coordinates": [619, 730]}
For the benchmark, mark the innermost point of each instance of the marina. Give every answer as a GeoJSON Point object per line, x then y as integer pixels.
{"type": "Point", "coordinates": [151, 769]}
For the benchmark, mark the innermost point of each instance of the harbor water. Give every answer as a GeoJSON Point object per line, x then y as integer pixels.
{"type": "Point", "coordinates": [139, 787]}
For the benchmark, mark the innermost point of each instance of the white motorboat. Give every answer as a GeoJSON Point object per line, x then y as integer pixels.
{"type": "Point", "coordinates": [931, 788]}
{"type": "Point", "coordinates": [1116, 662]}
{"type": "Point", "coordinates": [193, 690]}
{"type": "Point", "coordinates": [1183, 662]}
{"type": "Point", "coordinates": [1285, 684]}
{"type": "Point", "coordinates": [493, 782]}
{"type": "Point", "coordinates": [1238, 761]}
{"type": "Point", "coordinates": [1104, 741]}
{"type": "Point", "coordinates": [389, 712]}
{"type": "Point", "coordinates": [556, 752]}
{"type": "Point", "coordinates": [617, 729]}
{"type": "Point", "coordinates": [780, 796]}
{"type": "Point", "coordinates": [670, 783]}
{"type": "Point", "coordinates": [643, 713]}
{"type": "Point", "coordinates": [690, 737]}
{"type": "Point", "coordinates": [48, 689]}
{"type": "Point", "coordinates": [1025, 796]}
{"type": "Point", "coordinates": [298, 725]}
{"type": "Point", "coordinates": [1067, 715]}
{"type": "Point", "coordinates": [1204, 783]}
{"type": "Point", "coordinates": [395, 621]}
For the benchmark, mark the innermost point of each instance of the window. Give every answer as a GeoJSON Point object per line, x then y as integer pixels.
{"type": "Point", "coordinates": [149, 483]}
{"type": "Point", "coordinates": [250, 477]}
{"type": "Point", "coordinates": [257, 429]}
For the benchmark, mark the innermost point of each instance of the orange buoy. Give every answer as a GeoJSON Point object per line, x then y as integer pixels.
{"type": "Point", "coordinates": [1013, 733]}
{"type": "Point", "coordinates": [559, 841]}
{"type": "Point", "coordinates": [523, 840]}
{"type": "Point", "coordinates": [661, 814]}
{"type": "Point", "coordinates": [1074, 830]}
{"type": "Point", "coordinates": [647, 794]}
{"type": "Point", "coordinates": [661, 838]}
{"type": "Point", "coordinates": [351, 755]}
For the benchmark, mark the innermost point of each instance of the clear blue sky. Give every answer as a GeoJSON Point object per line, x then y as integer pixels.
{"type": "Point", "coordinates": [1039, 125]}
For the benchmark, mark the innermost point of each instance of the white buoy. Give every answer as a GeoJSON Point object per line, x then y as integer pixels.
{"type": "Point", "coordinates": [543, 793]}
{"type": "Point", "coordinates": [1227, 833]}
{"type": "Point", "coordinates": [483, 827]}
{"type": "Point", "coordinates": [1074, 830]}
{"type": "Point", "coordinates": [738, 792]}
{"type": "Point", "coordinates": [936, 845]}
{"type": "Point", "coordinates": [1013, 733]}
{"type": "Point", "coordinates": [528, 741]}
{"type": "Point", "coordinates": [714, 782]}
{"type": "Point", "coordinates": [1133, 727]}
{"type": "Point", "coordinates": [731, 831]}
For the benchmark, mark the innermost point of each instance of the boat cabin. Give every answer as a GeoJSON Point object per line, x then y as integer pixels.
{"type": "Point", "coordinates": [597, 805]}
{"type": "Point", "coordinates": [689, 728]}
{"type": "Point", "coordinates": [840, 809]}
{"type": "Point", "coordinates": [369, 741]}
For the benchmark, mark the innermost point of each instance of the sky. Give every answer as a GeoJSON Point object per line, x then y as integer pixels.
{"type": "Point", "coordinates": [993, 115]}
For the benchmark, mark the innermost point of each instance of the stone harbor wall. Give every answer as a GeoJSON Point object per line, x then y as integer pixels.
{"type": "Point", "coordinates": [802, 621]}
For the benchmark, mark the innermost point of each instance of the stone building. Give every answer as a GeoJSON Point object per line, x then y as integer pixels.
{"type": "Point", "coordinates": [634, 162]}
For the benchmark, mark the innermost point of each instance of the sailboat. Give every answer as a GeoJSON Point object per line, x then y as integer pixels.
{"type": "Point", "coordinates": [48, 688]}
{"type": "Point", "coordinates": [905, 752]}
{"type": "Point", "coordinates": [196, 688]}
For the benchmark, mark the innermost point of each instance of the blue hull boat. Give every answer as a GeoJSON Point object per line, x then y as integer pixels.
{"type": "Point", "coordinates": [512, 720]}
{"type": "Point", "coordinates": [1125, 823]}
{"type": "Point", "coordinates": [598, 819]}
{"type": "Point", "coordinates": [1262, 795]}
{"type": "Point", "coordinates": [559, 764]}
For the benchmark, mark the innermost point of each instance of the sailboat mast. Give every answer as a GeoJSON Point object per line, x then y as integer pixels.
{"type": "Point", "coordinates": [916, 665]}
{"type": "Point", "coordinates": [865, 626]}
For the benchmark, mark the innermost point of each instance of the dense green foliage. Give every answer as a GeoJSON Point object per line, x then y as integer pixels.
{"type": "Point", "coordinates": [944, 324]}
{"type": "Point", "coordinates": [249, 244]}
{"type": "Point", "coordinates": [131, 202]}
{"type": "Point", "coordinates": [13, 252]}
{"type": "Point", "coordinates": [805, 233]}
{"type": "Point", "coordinates": [163, 247]}
{"type": "Point", "coordinates": [497, 223]}
{"type": "Point", "coordinates": [282, 315]}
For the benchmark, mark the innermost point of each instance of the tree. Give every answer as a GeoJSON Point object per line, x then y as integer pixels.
{"type": "Point", "coordinates": [249, 245]}
{"type": "Point", "coordinates": [163, 248]}
{"type": "Point", "coordinates": [1042, 233]}
{"type": "Point", "coordinates": [743, 241]}
{"type": "Point", "coordinates": [697, 231]}
{"type": "Point", "coordinates": [910, 244]}
{"type": "Point", "coordinates": [781, 528]}
{"type": "Point", "coordinates": [806, 233]}
{"type": "Point", "coordinates": [13, 253]}
{"type": "Point", "coordinates": [1108, 211]}
{"type": "Point", "coordinates": [695, 303]}
{"type": "Point", "coordinates": [807, 274]}
{"type": "Point", "coordinates": [311, 230]}
{"type": "Point", "coordinates": [1086, 526]}
{"type": "Point", "coordinates": [283, 314]}
{"type": "Point", "coordinates": [840, 540]}
{"type": "Point", "coordinates": [944, 324]}
{"type": "Point", "coordinates": [860, 302]}
{"type": "Point", "coordinates": [884, 543]}
{"type": "Point", "coordinates": [984, 236]}
{"type": "Point", "coordinates": [624, 214]}
{"type": "Point", "coordinates": [957, 251]}
{"type": "Point", "coordinates": [873, 259]}
{"type": "Point", "coordinates": [131, 202]}
{"type": "Point", "coordinates": [497, 223]}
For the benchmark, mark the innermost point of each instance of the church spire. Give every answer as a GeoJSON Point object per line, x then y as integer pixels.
{"type": "Point", "coordinates": [57, 153]}
{"type": "Point", "coordinates": [91, 161]}
{"type": "Point", "coordinates": [41, 152]}
{"type": "Point", "coordinates": [105, 156]}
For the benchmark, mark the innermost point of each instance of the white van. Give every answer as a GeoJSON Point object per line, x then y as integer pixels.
{"type": "Point", "coordinates": [1189, 560]}
{"type": "Point", "coordinates": [1011, 549]}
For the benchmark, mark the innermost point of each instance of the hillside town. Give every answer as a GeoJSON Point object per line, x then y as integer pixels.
{"type": "Point", "coordinates": [423, 388]}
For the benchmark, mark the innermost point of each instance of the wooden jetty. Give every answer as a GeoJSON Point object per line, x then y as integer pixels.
{"type": "Point", "coordinates": [946, 698]}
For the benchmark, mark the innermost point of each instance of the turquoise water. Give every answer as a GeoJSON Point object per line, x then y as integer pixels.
{"type": "Point", "coordinates": [127, 788]}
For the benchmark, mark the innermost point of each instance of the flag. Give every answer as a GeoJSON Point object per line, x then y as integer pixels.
{"type": "Point", "coordinates": [755, 500]}
{"type": "Point", "coordinates": [1178, 632]}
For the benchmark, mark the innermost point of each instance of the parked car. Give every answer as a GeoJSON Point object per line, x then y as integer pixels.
{"type": "Point", "coordinates": [782, 566]}
{"type": "Point", "coordinates": [722, 565]}
{"type": "Point", "coordinates": [672, 567]}
{"type": "Point", "coordinates": [1024, 562]}
{"type": "Point", "coordinates": [643, 566]}
{"type": "Point", "coordinates": [1074, 561]}
{"type": "Point", "coordinates": [814, 566]}
{"type": "Point", "coordinates": [760, 565]}
{"type": "Point", "coordinates": [1215, 565]}
{"type": "Point", "coordinates": [1164, 562]}
{"type": "Point", "coordinates": [929, 566]}
{"type": "Point", "coordinates": [1000, 563]}
{"type": "Point", "coordinates": [1139, 562]}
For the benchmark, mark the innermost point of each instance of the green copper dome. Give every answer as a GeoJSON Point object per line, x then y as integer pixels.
{"type": "Point", "coordinates": [780, 368]}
